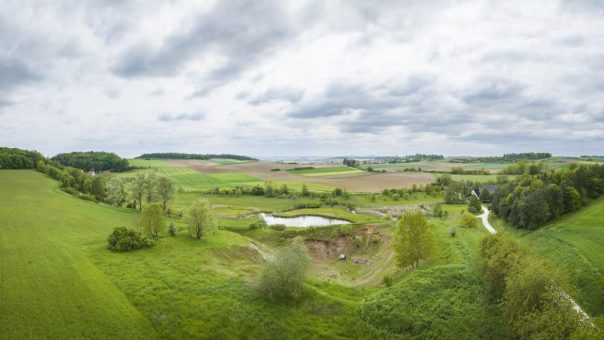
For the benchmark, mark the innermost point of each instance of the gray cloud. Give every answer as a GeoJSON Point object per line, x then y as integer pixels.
{"type": "Point", "coordinates": [243, 32]}
{"type": "Point", "coordinates": [180, 117]}
{"type": "Point", "coordinates": [393, 76]}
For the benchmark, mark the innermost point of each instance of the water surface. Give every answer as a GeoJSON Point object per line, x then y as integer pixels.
{"type": "Point", "coordinates": [302, 221]}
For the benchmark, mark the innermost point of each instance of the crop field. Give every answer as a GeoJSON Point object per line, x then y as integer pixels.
{"type": "Point", "coordinates": [326, 171]}
{"type": "Point", "coordinates": [189, 180]}
{"type": "Point", "coordinates": [353, 182]}
{"type": "Point", "coordinates": [225, 161]}
{"type": "Point", "coordinates": [56, 271]}
{"type": "Point", "coordinates": [575, 243]}
{"type": "Point", "coordinates": [473, 178]}
{"type": "Point", "coordinates": [149, 163]}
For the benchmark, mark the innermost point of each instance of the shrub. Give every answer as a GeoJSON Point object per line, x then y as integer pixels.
{"type": "Point", "coordinates": [388, 280]}
{"type": "Point", "coordinates": [452, 231]}
{"type": "Point", "coordinates": [172, 230]}
{"type": "Point", "coordinates": [122, 239]}
{"type": "Point", "coordinates": [468, 221]}
{"type": "Point", "coordinates": [282, 278]}
{"type": "Point", "coordinates": [278, 227]}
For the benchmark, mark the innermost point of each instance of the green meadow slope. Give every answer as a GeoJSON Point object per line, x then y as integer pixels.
{"type": "Point", "coordinates": [49, 288]}
{"type": "Point", "coordinates": [576, 244]}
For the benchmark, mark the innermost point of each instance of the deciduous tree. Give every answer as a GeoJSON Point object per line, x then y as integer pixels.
{"type": "Point", "coordinates": [412, 241]}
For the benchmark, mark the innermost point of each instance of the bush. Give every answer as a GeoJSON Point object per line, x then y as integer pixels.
{"type": "Point", "coordinates": [283, 278]}
{"type": "Point", "coordinates": [452, 231]}
{"type": "Point", "coordinates": [172, 230]}
{"type": "Point", "coordinates": [122, 239]}
{"type": "Point", "coordinates": [388, 280]}
{"type": "Point", "coordinates": [468, 221]}
{"type": "Point", "coordinates": [278, 227]}
{"type": "Point", "coordinates": [474, 205]}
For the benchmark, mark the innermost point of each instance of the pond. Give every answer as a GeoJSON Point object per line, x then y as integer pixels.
{"type": "Point", "coordinates": [302, 221]}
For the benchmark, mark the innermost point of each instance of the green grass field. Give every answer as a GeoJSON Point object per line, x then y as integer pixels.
{"type": "Point", "coordinates": [49, 286]}
{"type": "Point", "coordinates": [188, 179]}
{"type": "Point", "coordinates": [149, 163]}
{"type": "Point", "coordinates": [473, 178]}
{"type": "Point", "coordinates": [326, 171]}
{"type": "Point", "coordinates": [574, 243]}
{"type": "Point", "coordinates": [59, 281]}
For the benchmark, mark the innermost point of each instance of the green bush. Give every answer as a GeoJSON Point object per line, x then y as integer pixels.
{"type": "Point", "coordinates": [278, 227]}
{"type": "Point", "coordinates": [283, 277]}
{"type": "Point", "coordinates": [452, 231]}
{"type": "Point", "coordinates": [122, 239]}
{"type": "Point", "coordinates": [388, 280]}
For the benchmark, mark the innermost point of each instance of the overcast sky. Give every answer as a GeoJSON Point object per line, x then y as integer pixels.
{"type": "Point", "coordinates": [303, 77]}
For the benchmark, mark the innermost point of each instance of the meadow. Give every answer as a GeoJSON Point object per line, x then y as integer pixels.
{"type": "Point", "coordinates": [574, 243]}
{"type": "Point", "coordinates": [56, 271]}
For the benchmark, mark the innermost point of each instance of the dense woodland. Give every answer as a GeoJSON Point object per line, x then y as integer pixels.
{"type": "Point", "coordinates": [12, 158]}
{"type": "Point", "coordinates": [533, 199]}
{"type": "Point", "coordinates": [177, 155]}
{"type": "Point", "coordinates": [92, 160]}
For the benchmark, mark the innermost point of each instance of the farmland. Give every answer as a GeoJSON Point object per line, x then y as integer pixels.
{"type": "Point", "coordinates": [326, 171]}
{"type": "Point", "coordinates": [182, 287]}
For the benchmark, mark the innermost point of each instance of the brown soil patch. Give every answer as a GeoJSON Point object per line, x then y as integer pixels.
{"type": "Point", "coordinates": [362, 182]}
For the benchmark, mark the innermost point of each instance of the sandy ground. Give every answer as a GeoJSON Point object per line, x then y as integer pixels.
{"type": "Point", "coordinates": [362, 182]}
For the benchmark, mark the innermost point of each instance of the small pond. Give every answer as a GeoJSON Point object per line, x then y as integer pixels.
{"type": "Point", "coordinates": [302, 221]}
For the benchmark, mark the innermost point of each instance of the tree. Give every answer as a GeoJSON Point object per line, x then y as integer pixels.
{"type": "Point", "coordinates": [151, 193]}
{"type": "Point", "coordinates": [305, 191]}
{"type": "Point", "coordinates": [282, 278]}
{"type": "Point", "coordinates": [412, 241]}
{"type": "Point", "coordinates": [116, 195]}
{"type": "Point", "coordinates": [485, 195]}
{"type": "Point", "coordinates": [499, 254]}
{"type": "Point", "coordinates": [474, 205]}
{"type": "Point", "coordinates": [98, 187]}
{"type": "Point", "coordinates": [138, 189]}
{"type": "Point", "coordinates": [571, 198]}
{"type": "Point", "coordinates": [151, 220]}
{"type": "Point", "coordinates": [200, 218]}
{"type": "Point", "coordinates": [165, 190]}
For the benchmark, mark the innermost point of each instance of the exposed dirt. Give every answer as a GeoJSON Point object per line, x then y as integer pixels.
{"type": "Point", "coordinates": [321, 249]}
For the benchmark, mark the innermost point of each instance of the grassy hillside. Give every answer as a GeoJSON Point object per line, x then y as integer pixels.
{"type": "Point", "coordinates": [49, 286]}
{"type": "Point", "coordinates": [188, 179]}
{"type": "Point", "coordinates": [575, 243]}
{"type": "Point", "coordinates": [59, 281]}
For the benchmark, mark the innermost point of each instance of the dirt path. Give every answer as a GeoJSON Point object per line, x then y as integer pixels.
{"type": "Point", "coordinates": [485, 220]}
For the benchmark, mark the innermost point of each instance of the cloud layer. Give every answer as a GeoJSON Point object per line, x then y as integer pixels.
{"type": "Point", "coordinates": [275, 77]}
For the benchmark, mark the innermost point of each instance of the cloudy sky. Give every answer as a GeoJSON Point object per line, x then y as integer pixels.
{"type": "Point", "coordinates": [300, 78]}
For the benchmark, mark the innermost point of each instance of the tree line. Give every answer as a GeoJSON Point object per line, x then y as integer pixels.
{"type": "Point", "coordinates": [506, 158]}
{"type": "Point", "coordinates": [178, 155]}
{"type": "Point", "coordinates": [533, 199]}
{"type": "Point", "coordinates": [93, 160]}
{"type": "Point", "coordinates": [13, 158]}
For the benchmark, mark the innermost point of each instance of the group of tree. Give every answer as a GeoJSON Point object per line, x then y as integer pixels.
{"type": "Point", "coordinates": [12, 158]}
{"type": "Point", "coordinates": [92, 160]}
{"type": "Point", "coordinates": [351, 162]}
{"type": "Point", "coordinates": [412, 241]}
{"type": "Point", "coordinates": [524, 167]}
{"type": "Point", "coordinates": [178, 155]}
{"type": "Point", "coordinates": [530, 201]}
{"type": "Point", "coordinates": [151, 188]}
{"type": "Point", "coordinates": [506, 158]}
{"type": "Point", "coordinates": [531, 293]}
{"type": "Point", "coordinates": [419, 157]}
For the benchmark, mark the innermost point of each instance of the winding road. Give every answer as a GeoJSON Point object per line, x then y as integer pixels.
{"type": "Point", "coordinates": [485, 220]}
